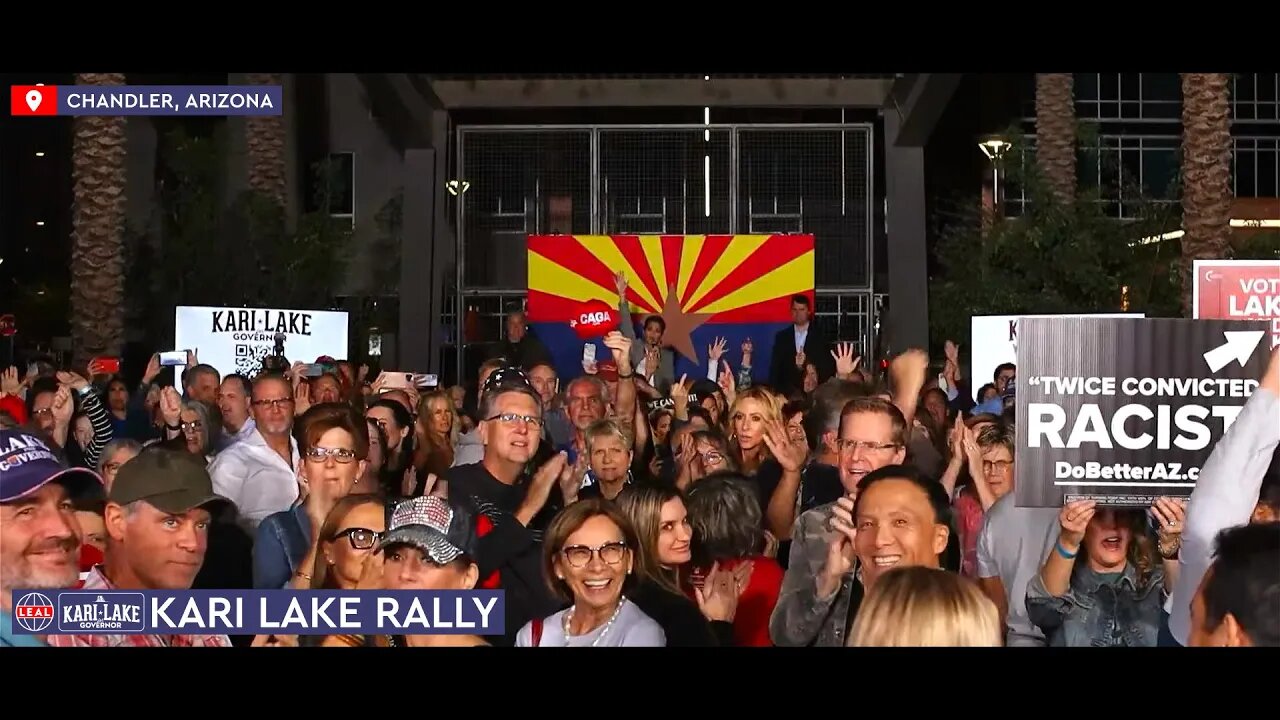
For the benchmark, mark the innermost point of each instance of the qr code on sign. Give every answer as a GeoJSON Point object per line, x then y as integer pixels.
{"type": "Point", "coordinates": [249, 358]}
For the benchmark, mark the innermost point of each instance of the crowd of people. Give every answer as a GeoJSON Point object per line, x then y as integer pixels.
{"type": "Point", "coordinates": [814, 503]}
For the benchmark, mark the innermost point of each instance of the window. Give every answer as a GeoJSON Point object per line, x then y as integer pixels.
{"type": "Point", "coordinates": [341, 185]}
{"type": "Point", "coordinates": [1255, 97]}
{"type": "Point", "coordinates": [1255, 167]}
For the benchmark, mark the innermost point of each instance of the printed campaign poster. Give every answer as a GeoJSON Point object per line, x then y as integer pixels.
{"type": "Point", "coordinates": [235, 340]}
{"type": "Point", "coordinates": [994, 341]}
{"type": "Point", "coordinates": [1238, 290]}
{"type": "Point", "coordinates": [1123, 410]}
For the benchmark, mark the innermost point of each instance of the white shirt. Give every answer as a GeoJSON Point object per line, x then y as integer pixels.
{"type": "Point", "coordinates": [801, 336]}
{"type": "Point", "coordinates": [632, 628]}
{"type": "Point", "coordinates": [255, 478]}
{"type": "Point", "coordinates": [227, 439]}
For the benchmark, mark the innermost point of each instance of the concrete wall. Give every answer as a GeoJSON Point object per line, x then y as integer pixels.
{"type": "Point", "coordinates": [379, 168]}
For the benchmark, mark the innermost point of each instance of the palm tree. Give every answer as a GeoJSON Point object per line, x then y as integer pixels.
{"type": "Point", "coordinates": [265, 137]}
{"type": "Point", "coordinates": [97, 229]}
{"type": "Point", "coordinates": [1206, 172]}
{"type": "Point", "coordinates": [1056, 134]}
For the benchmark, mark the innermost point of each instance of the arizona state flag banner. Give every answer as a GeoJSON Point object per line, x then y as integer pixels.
{"type": "Point", "coordinates": [703, 286]}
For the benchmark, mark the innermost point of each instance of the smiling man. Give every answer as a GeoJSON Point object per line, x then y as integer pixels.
{"type": "Point", "coordinates": [157, 518]}
{"type": "Point", "coordinates": [820, 589]}
{"type": "Point", "coordinates": [39, 533]}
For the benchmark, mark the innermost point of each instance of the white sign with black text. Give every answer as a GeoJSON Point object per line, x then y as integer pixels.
{"type": "Point", "coordinates": [236, 340]}
{"type": "Point", "coordinates": [1123, 411]}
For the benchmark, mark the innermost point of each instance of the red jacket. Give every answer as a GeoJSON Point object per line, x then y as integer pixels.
{"type": "Point", "coordinates": [756, 603]}
{"type": "Point", "coordinates": [13, 405]}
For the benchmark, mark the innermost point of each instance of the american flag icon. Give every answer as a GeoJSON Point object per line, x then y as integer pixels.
{"type": "Point", "coordinates": [432, 511]}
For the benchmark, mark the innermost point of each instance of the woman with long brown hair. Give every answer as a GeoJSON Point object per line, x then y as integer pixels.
{"type": "Point", "coordinates": [351, 531]}
{"type": "Point", "coordinates": [1105, 580]}
{"type": "Point", "coordinates": [664, 538]}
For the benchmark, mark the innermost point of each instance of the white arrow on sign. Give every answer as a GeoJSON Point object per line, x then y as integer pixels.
{"type": "Point", "coordinates": [1239, 347]}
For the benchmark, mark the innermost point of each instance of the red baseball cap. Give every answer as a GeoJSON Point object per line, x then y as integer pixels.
{"type": "Point", "coordinates": [607, 370]}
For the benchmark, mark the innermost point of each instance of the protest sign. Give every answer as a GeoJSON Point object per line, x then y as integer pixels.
{"type": "Point", "coordinates": [236, 340]}
{"type": "Point", "coordinates": [993, 341]}
{"type": "Point", "coordinates": [1122, 410]}
{"type": "Point", "coordinates": [1238, 290]}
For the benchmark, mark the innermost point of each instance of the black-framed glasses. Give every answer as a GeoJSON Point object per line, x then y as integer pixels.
{"type": "Point", "coordinates": [277, 403]}
{"type": "Point", "coordinates": [193, 426]}
{"type": "Point", "coordinates": [321, 454]}
{"type": "Point", "coordinates": [360, 538]}
{"type": "Point", "coordinates": [609, 553]}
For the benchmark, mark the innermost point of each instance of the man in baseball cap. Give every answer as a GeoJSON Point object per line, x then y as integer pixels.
{"type": "Point", "coordinates": [157, 518]}
{"type": "Point", "coordinates": [39, 533]}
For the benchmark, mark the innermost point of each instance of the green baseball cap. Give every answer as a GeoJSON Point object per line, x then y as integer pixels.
{"type": "Point", "coordinates": [171, 481]}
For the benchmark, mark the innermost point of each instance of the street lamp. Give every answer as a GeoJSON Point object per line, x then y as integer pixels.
{"type": "Point", "coordinates": [995, 148]}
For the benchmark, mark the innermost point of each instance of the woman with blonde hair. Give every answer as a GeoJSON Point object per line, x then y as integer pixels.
{"type": "Point", "coordinates": [437, 432]}
{"type": "Point", "coordinates": [754, 412]}
{"type": "Point", "coordinates": [607, 462]}
{"type": "Point", "coordinates": [926, 607]}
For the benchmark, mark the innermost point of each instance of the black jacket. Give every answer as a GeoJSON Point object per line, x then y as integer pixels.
{"type": "Point", "coordinates": [784, 376]}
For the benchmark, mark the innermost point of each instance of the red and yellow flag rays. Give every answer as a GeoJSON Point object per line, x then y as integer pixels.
{"type": "Point", "coordinates": [733, 278]}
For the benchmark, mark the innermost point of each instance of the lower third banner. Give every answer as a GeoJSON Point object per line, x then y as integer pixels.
{"type": "Point", "coordinates": [256, 612]}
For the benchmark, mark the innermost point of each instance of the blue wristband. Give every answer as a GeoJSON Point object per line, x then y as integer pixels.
{"type": "Point", "coordinates": [1057, 545]}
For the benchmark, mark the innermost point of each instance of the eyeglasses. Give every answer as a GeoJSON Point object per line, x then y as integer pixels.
{"type": "Point", "coordinates": [360, 538]}
{"type": "Point", "coordinates": [609, 553]}
{"type": "Point", "coordinates": [852, 446]}
{"type": "Point", "coordinates": [321, 454]}
{"type": "Point", "coordinates": [192, 426]}
{"type": "Point", "coordinates": [277, 403]}
{"type": "Point", "coordinates": [513, 418]}
{"type": "Point", "coordinates": [712, 457]}
{"type": "Point", "coordinates": [998, 466]}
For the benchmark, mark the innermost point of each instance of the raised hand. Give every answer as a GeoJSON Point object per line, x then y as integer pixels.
{"type": "Point", "coordinates": [846, 363]}
{"type": "Point", "coordinates": [841, 556]}
{"type": "Point", "coordinates": [800, 359]}
{"type": "Point", "coordinates": [728, 384]}
{"type": "Point", "coordinates": [1170, 513]}
{"type": "Point", "coordinates": [95, 369]}
{"type": "Point", "coordinates": [170, 406]}
{"type": "Point", "coordinates": [301, 398]}
{"type": "Point", "coordinates": [952, 351]}
{"type": "Point", "coordinates": [153, 370]}
{"type": "Point", "coordinates": [680, 391]}
{"type": "Point", "coordinates": [909, 368]}
{"type": "Point", "coordinates": [1074, 518]}
{"type": "Point", "coordinates": [192, 360]}
{"type": "Point", "coordinates": [715, 350]}
{"type": "Point", "coordinates": [789, 455]}
{"type": "Point", "coordinates": [371, 571]}
{"type": "Point", "coordinates": [63, 406]}
{"type": "Point", "coordinates": [620, 346]}
{"type": "Point", "coordinates": [570, 479]}
{"type": "Point", "coordinates": [620, 282]}
{"type": "Point", "coordinates": [9, 384]}
{"type": "Point", "coordinates": [770, 545]}
{"type": "Point", "coordinates": [956, 440]}
{"type": "Point", "coordinates": [72, 380]}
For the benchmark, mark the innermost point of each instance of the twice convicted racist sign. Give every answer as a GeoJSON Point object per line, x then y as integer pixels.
{"type": "Point", "coordinates": [1122, 410]}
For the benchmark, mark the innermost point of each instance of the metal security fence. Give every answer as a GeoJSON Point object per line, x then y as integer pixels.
{"type": "Point", "coordinates": [668, 179]}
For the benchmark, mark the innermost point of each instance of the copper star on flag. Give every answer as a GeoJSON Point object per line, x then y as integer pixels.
{"type": "Point", "coordinates": [680, 325]}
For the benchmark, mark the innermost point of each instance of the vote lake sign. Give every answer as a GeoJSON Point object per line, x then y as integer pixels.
{"type": "Point", "coordinates": [1123, 410]}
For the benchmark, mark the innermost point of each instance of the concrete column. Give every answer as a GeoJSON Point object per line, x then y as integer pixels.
{"type": "Point", "coordinates": [416, 315]}
{"type": "Point", "coordinates": [908, 321]}
{"type": "Point", "coordinates": [444, 248]}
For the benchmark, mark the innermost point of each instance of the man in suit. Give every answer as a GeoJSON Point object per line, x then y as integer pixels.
{"type": "Point", "coordinates": [797, 347]}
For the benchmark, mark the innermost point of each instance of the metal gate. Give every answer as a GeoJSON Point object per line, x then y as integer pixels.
{"type": "Point", "coordinates": [667, 179]}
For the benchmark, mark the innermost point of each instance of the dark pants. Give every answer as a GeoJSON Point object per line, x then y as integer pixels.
{"type": "Point", "coordinates": [1166, 638]}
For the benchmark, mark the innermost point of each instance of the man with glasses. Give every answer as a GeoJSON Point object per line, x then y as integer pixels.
{"type": "Point", "coordinates": [259, 473]}
{"type": "Point", "coordinates": [587, 398]}
{"type": "Point", "coordinates": [510, 508]}
{"type": "Point", "coordinates": [820, 591]}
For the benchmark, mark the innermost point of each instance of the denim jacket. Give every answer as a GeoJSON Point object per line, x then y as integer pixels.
{"type": "Point", "coordinates": [1099, 610]}
{"type": "Point", "coordinates": [283, 540]}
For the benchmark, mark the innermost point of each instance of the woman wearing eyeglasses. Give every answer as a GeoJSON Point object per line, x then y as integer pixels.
{"type": "Point", "coordinates": [333, 445]}
{"type": "Point", "coordinates": [588, 556]}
